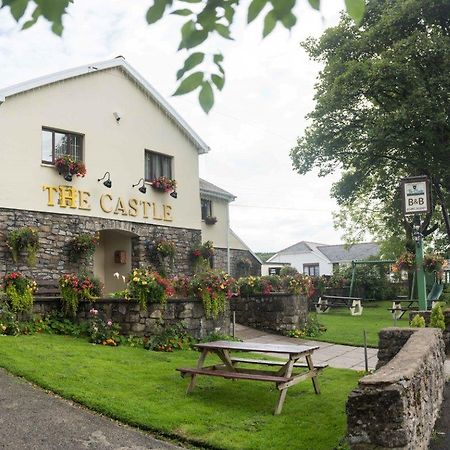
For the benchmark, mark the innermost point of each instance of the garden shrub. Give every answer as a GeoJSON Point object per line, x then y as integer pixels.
{"type": "Point", "coordinates": [288, 270]}
{"type": "Point", "coordinates": [313, 328]}
{"type": "Point", "coordinates": [24, 239]}
{"type": "Point", "coordinates": [19, 291]}
{"type": "Point", "coordinates": [418, 322]}
{"type": "Point", "coordinates": [8, 322]}
{"type": "Point", "coordinates": [104, 332]}
{"type": "Point", "coordinates": [169, 338]}
{"type": "Point", "coordinates": [437, 319]}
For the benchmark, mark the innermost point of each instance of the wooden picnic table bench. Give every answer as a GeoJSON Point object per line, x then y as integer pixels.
{"type": "Point", "coordinates": [326, 302]}
{"type": "Point", "coordinates": [230, 366]}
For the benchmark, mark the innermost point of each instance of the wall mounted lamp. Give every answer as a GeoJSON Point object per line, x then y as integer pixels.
{"type": "Point", "coordinates": [174, 194]}
{"type": "Point", "coordinates": [108, 182]}
{"type": "Point", "coordinates": [117, 116]}
{"type": "Point", "coordinates": [142, 189]}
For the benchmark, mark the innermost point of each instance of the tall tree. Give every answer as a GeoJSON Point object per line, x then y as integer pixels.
{"type": "Point", "coordinates": [382, 110]}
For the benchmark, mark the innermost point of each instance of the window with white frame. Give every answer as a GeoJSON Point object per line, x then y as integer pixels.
{"type": "Point", "coordinates": [57, 143]}
{"type": "Point", "coordinates": [157, 165]}
{"type": "Point", "coordinates": [206, 208]}
{"type": "Point", "coordinates": [311, 269]}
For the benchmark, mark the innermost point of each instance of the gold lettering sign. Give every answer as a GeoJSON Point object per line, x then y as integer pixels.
{"type": "Point", "coordinates": [70, 197]}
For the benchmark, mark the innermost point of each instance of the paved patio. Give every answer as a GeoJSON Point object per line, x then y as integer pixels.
{"type": "Point", "coordinates": [335, 355]}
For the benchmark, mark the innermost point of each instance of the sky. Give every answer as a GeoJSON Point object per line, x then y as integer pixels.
{"type": "Point", "coordinates": [256, 119]}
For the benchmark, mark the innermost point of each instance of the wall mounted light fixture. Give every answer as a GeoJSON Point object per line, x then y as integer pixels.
{"type": "Point", "coordinates": [142, 189]}
{"type": "Point", "coordinates": [108, 182]}
{"type": "Point", "coordinates": [174, 194]}
{"type": "Point", "coordinates": [117, 116]}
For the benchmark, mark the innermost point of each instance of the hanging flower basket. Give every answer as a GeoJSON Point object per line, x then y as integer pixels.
{"type": "Point", "coordinates": [164, 184]}
{"type": "Point", "coordinates": [68, 167]}
{"type": "Point", "coordinates": [433, 262]}
{"type": "Point", "coordinates": [406, 261]}
{"type": "Point", "coordinates": [210, 220]}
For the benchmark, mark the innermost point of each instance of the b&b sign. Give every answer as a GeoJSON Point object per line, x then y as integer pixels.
{"type": "Point", "coordinates": [416, 197]}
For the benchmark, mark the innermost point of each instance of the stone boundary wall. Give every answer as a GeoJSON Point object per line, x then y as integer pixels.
{"type": "Point", "coordinates": [446, 333]}
{"type": "Point", "coordinates": [396, 407]}
{"type": "Point", "coordinates": [137, 321]}
{"type": "Point", "coordinates": [278, 312]}
{"type": "Point", "coordinates": [221, 262]}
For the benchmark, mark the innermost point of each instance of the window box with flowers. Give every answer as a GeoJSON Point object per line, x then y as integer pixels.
{"type": "Point", "coordinates": [164, 184]}
{"type": "Point", "coordinates": [210, 220]}
{"type": "Point", "coordinates": [68, 167]}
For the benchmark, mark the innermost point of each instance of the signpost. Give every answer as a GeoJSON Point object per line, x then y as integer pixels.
{"type": "Point", "coordinates": [416, 200]}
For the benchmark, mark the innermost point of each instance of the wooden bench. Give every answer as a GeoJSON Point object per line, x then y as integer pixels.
{"type": "Point", "coordinates": [266, 362]}
{"type": "Point", "coordinates": [47, 290]}
{"type": "Point", "coordinates": [326, 302]}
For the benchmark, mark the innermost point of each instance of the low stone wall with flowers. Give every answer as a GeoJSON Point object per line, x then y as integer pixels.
{"type": "Point", "coordinates": [278, 312]}
{"type": "Point", "coordinates": [396, 407]}
{"type": "Point", "coordinates": [137, 321]}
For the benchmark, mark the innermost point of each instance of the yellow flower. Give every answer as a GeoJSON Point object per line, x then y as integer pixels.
{"type": "Point", "coordinates": [135, 279]}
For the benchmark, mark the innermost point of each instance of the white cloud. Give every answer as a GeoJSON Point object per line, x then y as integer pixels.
{"type": "Point", "coordinates": [254, 124]}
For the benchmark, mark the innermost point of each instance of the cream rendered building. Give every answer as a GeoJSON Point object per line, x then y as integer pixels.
{"type": "Point", "coordinates": [112, 119]}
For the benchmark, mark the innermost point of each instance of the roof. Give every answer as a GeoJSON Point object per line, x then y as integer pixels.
{"type": "Point", "coordinates": [342, 253]}
{"type": "Point", "coordinates": [299, 247]}
{"type": "Point", "coordinates": [246, 246]}
{"type": "Point", "coordinates": [208, 189]}
{"type": "Point", "coordinates": [122, 65]}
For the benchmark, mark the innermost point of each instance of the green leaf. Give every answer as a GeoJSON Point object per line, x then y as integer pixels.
{"type": "Point", "coordinates": [223, 31]}
{"type": "Point", "coordinates": [156, 11]}
{"type": "Point", "coordinates": [182, 12]}
{"type": "Point", "coordinates": [229, 13]}
{"type": "Point", "coordinates": [17, 7]}
{"type": "Point", "coordinates": [289, 20]}
{"type": "Point", "coordinates": [315, 4]}
{"type": "Point", "coordinates": [256, 6]}
{"type": "Point", "coordinates": [190, 83]}
{"type": "Point", "coordinates": [191, 1]}
{"type": "Point", "coordinates": [356, 9]}
{"type": "Point", "coordinates": [57, 28]}
{"type": "Point", "coordinates": [192, 61]}
{"type": "Point", "coordinates": [206, 97]}
{"type": "Point", "coordinates": [195, 38]}
{"type": "Point", "coordinates": [218, 58]}
{"type": "Point", "coordinates": [218, 81]}
{"type": "Point", "coordinates": [269, 23]}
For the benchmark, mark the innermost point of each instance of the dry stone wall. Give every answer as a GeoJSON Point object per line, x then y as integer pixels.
{"type": "Point", "coordinates": [220, 262]}
{"type": "Point", "coordinates": [276, 312]}
{"type": "Point", "coordinates": [137, 321]}
{"type": "Point", "coordinates": [396, 407]}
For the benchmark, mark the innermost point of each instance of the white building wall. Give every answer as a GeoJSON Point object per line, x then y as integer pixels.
{"type": "Point", "coordinates": [297, 261]}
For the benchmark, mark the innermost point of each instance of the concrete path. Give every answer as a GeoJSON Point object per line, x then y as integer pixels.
{"type": "Point", "coordinates": [335, 355]}
{"type": "Point", "coordinates": [32, 419]}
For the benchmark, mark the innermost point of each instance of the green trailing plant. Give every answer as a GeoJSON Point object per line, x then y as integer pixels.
{"type": "Point", "coordinates": [78, 287]}
{"type": "Point", "coordinates": [418, 322]}
{"type": "Point", "coordinates": [25, 239]}
{"type": "Point", "coordinates": [214, 289]}
{"type": "Point", "coordinates": [147, 286]}
{"type": "Point", "coordinates": [202, 255]}
{"type": "Point", "coordinates": [164, 251]}
{"type": "Point", "coordinates": [437, 319]}
{"type": "Point", "coordinates": [82, 246]}
{"type": "Point", "coordinates": [19, 291]}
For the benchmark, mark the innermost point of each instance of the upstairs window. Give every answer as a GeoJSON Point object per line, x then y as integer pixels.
{"type": "Point", "coordinates": [157, 165]}
{"type": "Point", "coordinates": [57, 143]}
{"type": "Point", "coordinates": [206, 208]}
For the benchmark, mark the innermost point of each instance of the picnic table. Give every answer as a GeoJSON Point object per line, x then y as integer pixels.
{"type": "Point", "coordinates": [401, 305]}
{"type": "Point", "coordinates": [230, 367]}
{"type": "Point", "coordinates": [326, 302]}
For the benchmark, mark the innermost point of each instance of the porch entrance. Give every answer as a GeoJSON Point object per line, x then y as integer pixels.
{"type": "Point", "coordinates": [113, 255]}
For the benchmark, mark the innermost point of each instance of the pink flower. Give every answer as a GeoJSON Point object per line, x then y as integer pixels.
{"type": "Point", "coordinates": [109, 323]}
{"type": "Point", "coordinates": [93, 311]}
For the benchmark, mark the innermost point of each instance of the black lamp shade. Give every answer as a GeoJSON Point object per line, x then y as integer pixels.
{"type": "Point", "coordinates": [68, 177]}
{"type": "Point", "coordinates": [174, 194]}
{"type": "Point", "coordinates": [143, 189]}
{"type": "Point", "coordinates": [107, 183]}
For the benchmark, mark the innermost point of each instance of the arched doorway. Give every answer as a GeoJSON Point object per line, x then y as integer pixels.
{"type": "Point", "coordinates": [113, 255]}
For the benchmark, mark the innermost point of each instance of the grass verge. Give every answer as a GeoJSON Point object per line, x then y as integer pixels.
{"type": "Point", "coordinates": [142, 388]}
{"type": "Point", "coordinates": [342, 328]}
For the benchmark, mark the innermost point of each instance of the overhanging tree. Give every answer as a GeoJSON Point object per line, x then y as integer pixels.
{"type": "Point", "coordinates": [204, 19]}
{"type": "Point", "coordinates": [382, 111]}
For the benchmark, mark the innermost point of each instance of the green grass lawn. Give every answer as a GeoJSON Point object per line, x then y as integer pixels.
{"type": "Point", "coordinates": [342, 328]}
{"type": "Point", "coordinates": [142, 388]}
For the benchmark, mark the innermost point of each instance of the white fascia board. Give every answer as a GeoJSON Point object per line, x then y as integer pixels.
{"type": "Point", "coordinates": [216, 195]}
{"type": "Point", "coordinates": [2, 99]}
{"type": "Point", "coordinates": [201, 146]}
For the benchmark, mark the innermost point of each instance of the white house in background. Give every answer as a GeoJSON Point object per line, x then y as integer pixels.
{"type": "Point", "coordinates": [312, 258]}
